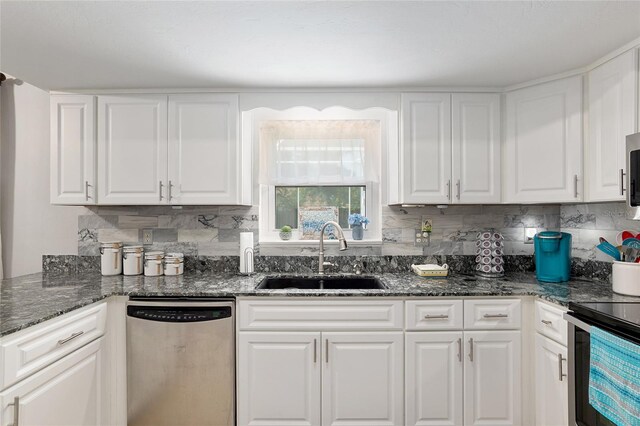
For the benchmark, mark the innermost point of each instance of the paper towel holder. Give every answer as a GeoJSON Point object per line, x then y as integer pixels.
{"type": "Point", "coordinates": [248, 261]}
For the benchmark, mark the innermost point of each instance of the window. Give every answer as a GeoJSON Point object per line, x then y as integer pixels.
{"type": "Point", "coordinates": [290, 199]}
{"type": "Point", "coordinates": [326, 164]}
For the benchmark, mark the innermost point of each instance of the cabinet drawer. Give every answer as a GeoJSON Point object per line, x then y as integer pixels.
{"type": "Point", "coordinates": [492, 314]}
{"type": "Point", "coordinates": [32, 349]}
{"type": "Point", "coordinates": [550, 322]}
{"type": "Point", "coordinates": [320, 315]}
{"type": "Point", "coordinates": [434, 315]}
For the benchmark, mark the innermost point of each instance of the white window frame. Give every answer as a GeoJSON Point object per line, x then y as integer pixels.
{"type": "Point", "coordinates": [269, 236]}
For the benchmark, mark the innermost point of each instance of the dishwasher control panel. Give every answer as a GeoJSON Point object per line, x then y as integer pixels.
{"type": "Point", "coordinates": [178, 314]}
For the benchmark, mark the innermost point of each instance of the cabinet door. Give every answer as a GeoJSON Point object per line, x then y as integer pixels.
{"type": "Point", "coordinates": [203, 149]}
{"type": "Point", "coordinates": [543, 146]}
{"type": "Point", "coordinates": [362, 379]}
{"type": "Point", "coordinates": [552, 391]}
{"type": "Point", "coordinates": [279, 378]}
{"type": "Point", "coordinates": [73, 176]}
{"type": "Point", "coordinates": [433, 378]}
{"type": "Point", "coordinates": [132, 149]}
{"type": "Point", "coordinates": [492, 378]}
{"type": "Point", "coordinates": [476, 148]}
{"type": "Point", "coordinates": [612, 116]}
{"type": "Point", "coordinates": [426, 148]}
{"type": "Point", "coordinates": [68, 392]}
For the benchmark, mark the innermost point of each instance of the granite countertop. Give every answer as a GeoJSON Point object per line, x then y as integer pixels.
{"type": "Point", "coordinates": [30, 299]}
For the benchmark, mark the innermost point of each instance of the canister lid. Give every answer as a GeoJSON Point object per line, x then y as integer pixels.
{"type": "Point", "coordinates": [133, 249]}
{"type": "Point", "coordinates": [154, 255]}
{"type": "Point", "coordinates": [111, 244]}
{"type": "Point", "coordinates": [175, 257]}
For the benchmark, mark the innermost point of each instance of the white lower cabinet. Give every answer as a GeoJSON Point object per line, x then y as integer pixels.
{"type": "Point", "coordinates": [279, 378]}
{"type": "Point", "coordinates": [313, 378]}
{"type": "Point", "coordinates": [492, 378]}
{"type": "Point", "coordinates": [370, 370]}
{"type": "Point", "coordinates": [551, 392]}
{"type": "Point", "coordinates": [68, 392]}
{"type": "Point", "coordinates": [362, 379]}
{"type": "Point", "coordinates": [463, 378]}
{"type": "Point", "coordinates": [434, 378]}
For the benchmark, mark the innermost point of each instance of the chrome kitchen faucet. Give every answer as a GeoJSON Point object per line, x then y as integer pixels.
{"type": "Point", "coordinates": [341, 240]}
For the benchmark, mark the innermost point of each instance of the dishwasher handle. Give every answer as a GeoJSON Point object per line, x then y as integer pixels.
{"type": "Point", "coordinates": [179, 314]}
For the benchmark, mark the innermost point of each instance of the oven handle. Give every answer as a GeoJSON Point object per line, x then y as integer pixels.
{"type": "Point", "coordinates": [576, 322]}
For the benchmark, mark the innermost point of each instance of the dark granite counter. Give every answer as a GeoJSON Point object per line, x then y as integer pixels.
{"type": "Point", "coordinates": [30, 299]}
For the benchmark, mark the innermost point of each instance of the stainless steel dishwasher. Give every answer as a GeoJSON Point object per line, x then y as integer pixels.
{"type": "Point", "coordinates": [180, 362]}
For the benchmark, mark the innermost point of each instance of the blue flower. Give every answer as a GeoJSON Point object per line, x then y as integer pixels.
{"type": "Point", "coordinates": [357, 219]}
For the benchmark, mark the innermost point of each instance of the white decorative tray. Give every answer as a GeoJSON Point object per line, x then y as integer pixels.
{"type": "Point", "coordinates": [431, 270]}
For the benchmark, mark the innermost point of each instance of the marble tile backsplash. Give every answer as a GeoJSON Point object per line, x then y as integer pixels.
{"type": "Point", "coordinates": [587, 222]}
{"type": "Point", "coordinates": [204, 231]}
{"type": "Point", "coordinates": [215, 231]}
{"type": "Point", "coordinates": [455, 228]}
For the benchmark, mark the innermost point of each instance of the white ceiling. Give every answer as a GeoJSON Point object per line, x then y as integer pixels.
{"type": "Point", "coordinates": [179, 44]}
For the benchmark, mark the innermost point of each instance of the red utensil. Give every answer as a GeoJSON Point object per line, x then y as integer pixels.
{"type": "Point", "coordinates": [626, 235]}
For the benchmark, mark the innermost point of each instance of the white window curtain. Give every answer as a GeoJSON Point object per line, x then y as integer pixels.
{"type": "Point", "coordinates": [319, 152]}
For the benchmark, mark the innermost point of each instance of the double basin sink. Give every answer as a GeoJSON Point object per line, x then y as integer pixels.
{"type": "Point", "coordinates": [321, 283]}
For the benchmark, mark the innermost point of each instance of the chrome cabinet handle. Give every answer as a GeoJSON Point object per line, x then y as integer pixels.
{"type": "Point", "coordinates": [449, 189]}
{"type": "Point", "coordinates": [86, 190]}
{"type": "Point", "coordinates": [560, 373]}
{"type": "Point", "coordinates": [622, 175]}
{"type": "Point", "coordinates": [169, 191]}
{"type": "Point", "coordinates": [458, 189]}
{"type": "Point", "coordinates": [471, 349]}
{"type": "Point", "coordinates": [546, 322]}
{"type": "Point", "coordinates": [16, 411]}
{"type": "Point", "coordinates": [73, 336]}
{"type": "Point", "coordinates": [575, 186]}
{"type": "Point", "coordinates": [496, 315]}
{"type": "Point", "coordinates": [160, 189]}
{"type": "Point", "coordinates": [436, 316]}
{"type": "Point", "coordinates": [460, 349]}
{"type": "Point", "coordinates": [326, 351]}
{"type": "Point", "coordinates": [315, 350]}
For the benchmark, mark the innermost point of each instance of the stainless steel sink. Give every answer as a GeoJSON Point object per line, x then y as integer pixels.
{"type": "Point", "coordinates": [321, 283]}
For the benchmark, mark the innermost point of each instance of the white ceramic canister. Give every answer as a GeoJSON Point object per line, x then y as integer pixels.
{"type": "Point", "coordinates": [153, 263]}
{"type": "Point", "coordinates": [133, 260]}
{"type": "Point", "coordinates": [625, 278]}
{"type": "Point", "coordinates": [111, 258]}
{"type": "Point", "coordinates": [174, 264]}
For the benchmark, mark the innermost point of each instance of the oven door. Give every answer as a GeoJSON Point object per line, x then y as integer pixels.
{"type": "Point", "coordinates": [581, 413]}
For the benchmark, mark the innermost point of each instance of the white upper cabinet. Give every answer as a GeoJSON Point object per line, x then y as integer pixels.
{"type": "Point", "coordinates": [132, 149]}
{"type": "Point", "coordinates": [612, 116]}
{"type": "Point", "coordinates": [476, 148]}
{"type": "Point", "coordinates": [450, 148]}
{"type": "Point", "coordinates": [204, 152]}
{"type": "Point", "coordinates": [543, 145]}
{"type": "Point", "coordinates": [425, 169]}
{"type": "Point", "coordinates": [149, 149]}
{"type": "Point", "coordinates": [73, 175]}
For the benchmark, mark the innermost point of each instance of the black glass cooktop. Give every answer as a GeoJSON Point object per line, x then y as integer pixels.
{"type": "Point", "coordinates": [616, 316]}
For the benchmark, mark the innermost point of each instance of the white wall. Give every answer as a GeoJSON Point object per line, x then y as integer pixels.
{"type": "Point", "coordinates": [31, 226]}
